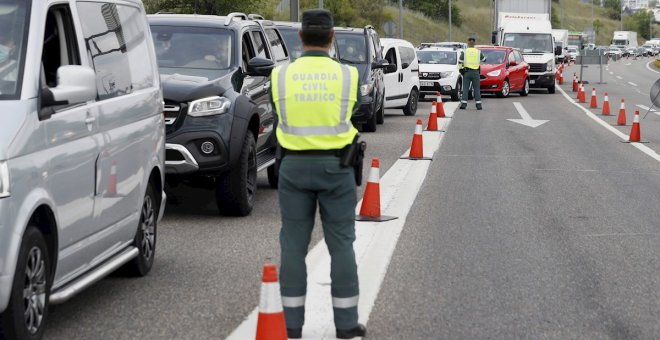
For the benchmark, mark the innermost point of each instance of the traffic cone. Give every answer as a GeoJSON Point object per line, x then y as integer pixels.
{"type": "Point", "coordinates": [606, 105]}
{"type": "Point", "coordinates": [579, 89]}
{"type": "Point", "coordinates": [583, 96]}
{"type": "Point", "coordinates": [575, 83]}
{"type": "Point", "coordinates": [440, 109]}
{"type": "Point", "coordinates": [594, 103]}
{"type": "Point", "coordinates": [112, 183]}
{"type": "Point", "coordinates": [270, 323]}
{"type": "Point", "coordinates": [561, 78]}
{"type": "Point", "coordinates": [433, 119]}
{"type": "Point", "coordinates": [635, 133]}
{"type": "Point", "coordinates": [621, 120]}
{"type": "Point", "coordinates": [370, 208]}
{"type": "Point", "coordinates": [417, 146]}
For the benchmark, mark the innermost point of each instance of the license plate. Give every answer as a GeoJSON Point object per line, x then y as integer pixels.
{"type": "Point", "coordinates": [427, 83]}
{"type": "Point", "coordinates": [532, 81]}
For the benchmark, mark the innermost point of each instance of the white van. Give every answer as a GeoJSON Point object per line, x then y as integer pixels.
{"type": "Point", "coordinates": [82, 146]}
{"type": "Point", "coordinates": [402, 84]}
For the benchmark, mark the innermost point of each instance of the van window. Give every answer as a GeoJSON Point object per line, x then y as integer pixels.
{"type": "Point", "coordinates": [390, 56]}
{"type": "Point", "coordinates": [59, 47]}
{"type": "Point", "coordinates": [407, 56]}
{"type": "Point", "coordinates": [260, 45]}
{"type": "Point", "coordinates": [13, 42]}
{"type": "Point", "coordinates": [276, 46]}
{"type": "Point", "coordinates": [117, 45]}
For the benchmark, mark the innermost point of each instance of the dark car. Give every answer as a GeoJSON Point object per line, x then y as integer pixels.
{"type": "Point", "coordinates": [504, 71]}
{"type": "Point", "coordinates": [289, 31]}
{"type": "Point", "coordinates": [360, 47]}
{"type": "Point", "coordinates": [215, 73]}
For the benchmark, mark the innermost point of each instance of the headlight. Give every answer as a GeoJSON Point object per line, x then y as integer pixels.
{"type": "Point", "coordinates": [447, 74]}
{"type": "Point", "coordinates": [366, 89]}
{"type": "Point", "coordinates": [209, 106]}
{"type": "Point", "coordinates": [549, 66]}
{"type": "Point", "coordinates": [495, 73]}
{"type": "Point", "coordinates": [4, 180]}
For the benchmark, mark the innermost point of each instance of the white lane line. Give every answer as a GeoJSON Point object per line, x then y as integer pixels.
{"type": "Point", "coordinates": [612, 73]}
{"type": "Point", "coordinates": [374, 246]}
{"type": "Point", "coordinates": [641, 147]}
{"type": "Point", "coordinates": [631, 83]}
{"type": "Point", "coordinates": [646, 108]}
{"type": "Point", "coordinates": [627, 64]}
{"type": "Point", "coordinates": [648, 66]}
{"type": "Point", "coordinates": [619, 77]}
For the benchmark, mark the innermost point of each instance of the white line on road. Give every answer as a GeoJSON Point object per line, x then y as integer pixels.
{"type": "Point", "coordinates": [631, 83]}
{"type": "Point", "coordinates": [646, 108]}
{"type": "Point", "coordinates": [648, 66]}
{"type": "Point", "coordinates": [619, 77]}
{"type": "Point", "coordinates": [628, 64]}
{"type": "Point", "coordinates": [641, 147]}
{"type": "Point", "coordinates": [374, 246]}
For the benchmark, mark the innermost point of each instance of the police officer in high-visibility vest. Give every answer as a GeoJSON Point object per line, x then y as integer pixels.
{"type": "Point", "coordinates": [314, 98]}
{"type": "Point", "coordinates": [470, 60]}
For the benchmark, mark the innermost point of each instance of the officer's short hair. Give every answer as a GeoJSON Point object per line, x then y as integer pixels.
{"type": "Point", "coordinates": [316, 37]}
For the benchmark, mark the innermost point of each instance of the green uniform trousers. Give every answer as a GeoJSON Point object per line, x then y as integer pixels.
{"type": "Point", "coordinates": [307, 181]}
{"type": "Point", "coordinates": [471, 77]}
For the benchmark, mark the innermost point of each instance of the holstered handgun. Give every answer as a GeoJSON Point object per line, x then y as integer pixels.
{"type": "Point", "coordinates": [353, 156]}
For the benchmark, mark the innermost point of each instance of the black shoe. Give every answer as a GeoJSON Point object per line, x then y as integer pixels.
{"type": "Point", "coordinates": [294, 333]}
{"type": "Point", "coordinates": [463, 106]}
{"type": "Point", "coordinates": [358, 330]}
{"type": "Point", "coordinates": [479, 107]}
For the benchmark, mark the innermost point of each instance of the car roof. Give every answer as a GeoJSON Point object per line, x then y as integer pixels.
{"type": "Point", "coordinates": [491, 47]}
{"type": "Point", "coordinates": [199, 20]}
{"type": "Point", "coordinates": [437, 48]}
{"type": "Point", "coordinates": [392, 41]}
{"type": "Point", "coordinates": [288, 24]}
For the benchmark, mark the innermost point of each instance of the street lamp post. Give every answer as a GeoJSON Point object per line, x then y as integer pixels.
{"type": "Point", "coordinates": [450, 20]}
{"type": "Point", "coordinates": [321, 4]}
{"type": "Point", "coordinates": [400, 19]}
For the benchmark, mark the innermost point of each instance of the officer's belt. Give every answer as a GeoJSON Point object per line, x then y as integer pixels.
{"type": "Point", "coordinates": [333, 152]}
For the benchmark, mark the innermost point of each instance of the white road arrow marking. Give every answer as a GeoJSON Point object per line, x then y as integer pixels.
{"type": "Point", "coordinates": [619, 77]}
{"type": "Point", "coordinates": [631, 83]}
{"type": "Point", "coordinates": [526, 118]}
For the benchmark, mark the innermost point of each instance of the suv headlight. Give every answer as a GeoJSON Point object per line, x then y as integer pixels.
{"type": "Point", "coordinates": [209, 106]}
{"type": "Point", "coordinates": [366, 89]}
{"type": "Point", "coordinates": [4, 180]}
{"type": "Point", "coordinates": [550, 64]}
{"type": "Point", "coordinates": [495, 73]}
{"type": "Point", "coordinates": [447, 74]}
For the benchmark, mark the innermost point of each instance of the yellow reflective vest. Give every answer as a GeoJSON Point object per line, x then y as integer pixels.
{"type": "Point", "coordinates": [314, 98]}
{"type": "Point", "coordinates": [472, 58]}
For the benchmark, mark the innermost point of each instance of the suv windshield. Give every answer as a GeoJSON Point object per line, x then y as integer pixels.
{"type": "Point", "coordinates": [14, 22]}
{"type": "Point", "coordinates": [193, 51]}
{"type": "Point", "coordinates": [437, 57]}
{"type": "Point", "coordinates": [493, 56]}
{"type": "Point", "coordinates": [529, 42]}
{"type": "Point", "coordinates": [293, 43]}
{"type": "Point", "coordinates": [352, 47]}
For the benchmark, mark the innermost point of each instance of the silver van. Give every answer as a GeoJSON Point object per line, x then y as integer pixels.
{"type": "Point", "coordinates": [81, 152]}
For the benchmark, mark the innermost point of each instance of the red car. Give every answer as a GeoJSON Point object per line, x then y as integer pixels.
{"type": "Point", "coordinates": [504, 71]}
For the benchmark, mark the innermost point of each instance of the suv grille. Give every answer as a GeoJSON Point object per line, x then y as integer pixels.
{"type": "Point", "coordinates": [174, 115]}
{"type": "Point", "coordinates": [537, 67]}
{"type": "Point", "coordinates": [171, 113]}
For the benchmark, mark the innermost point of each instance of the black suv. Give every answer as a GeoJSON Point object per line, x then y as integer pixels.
{"type": "Point", "coordinates": [360, 47]}
{"type": "Point", "coordinates": [215, 73]}
{"type": "Point", "coordinates": [293, 43]}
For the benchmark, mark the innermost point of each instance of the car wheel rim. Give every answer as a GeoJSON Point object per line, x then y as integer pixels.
{"type": "Point", "coordinates": [526, 86]}
{"type": "Point", "coordinates": [505, 88]}
{"type": "Point", "coordinates": [251, 174]}
{"type": "Point", "coordinates": [148, 228]}
{"type": "Point", "coordinates": [34, 291]}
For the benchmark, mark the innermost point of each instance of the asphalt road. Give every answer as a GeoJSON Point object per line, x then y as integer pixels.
{"type": "Point", "coordinates": [518, 232]}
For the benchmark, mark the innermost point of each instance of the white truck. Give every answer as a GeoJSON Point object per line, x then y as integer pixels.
{"type": "Point", "coordinates": [525, 25]}
{"type": "Point", "coordinates": [561, 40]}
{"type": "Point", "coordinates": [624, 39]}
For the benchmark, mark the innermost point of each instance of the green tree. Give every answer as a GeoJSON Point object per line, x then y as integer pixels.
{"type": "Point", "coordinates": [437, 9]}
{"type": "Point", "coordinates": [211, 7]}
{"type": "Point", "coordinates": [613, 8]}
{"type": "Point", "coordinates": [597, 25]}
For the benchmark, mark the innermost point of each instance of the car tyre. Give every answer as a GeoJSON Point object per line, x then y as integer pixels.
{"type": "Point", "coordinates": [145, 237]}
{"type": "Point", "coordinates": [506, 89]}
{"type": "Point", "coordinates": [273, 175]}
{"type": "Point", "coordinates": [411, 106]}
{"type": "Point", "coordinates": [456, 94]}
{"type": "Point", "coordinates": [551, 89]}
{"type": "Point", "coordinates": [370, 125]}
{"type": "Point", "coordinates": [380, 114]}
{"type": "Point", "coordinates": [235, 191]}
{"type": "Point", "coordinates": [26, 316]}
{"type": "Point", "coordinates": [525, 90]}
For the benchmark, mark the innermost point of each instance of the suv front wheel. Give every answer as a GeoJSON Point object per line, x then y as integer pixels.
{"type": "Point", "coordinates": [234, 193]}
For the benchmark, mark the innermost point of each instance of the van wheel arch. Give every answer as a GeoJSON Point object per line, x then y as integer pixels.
{"type": "Point", "coordinates": [44, 219]}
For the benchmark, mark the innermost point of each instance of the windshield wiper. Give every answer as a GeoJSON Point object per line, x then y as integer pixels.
{"type": "Point", "coordinates": [348, 61]}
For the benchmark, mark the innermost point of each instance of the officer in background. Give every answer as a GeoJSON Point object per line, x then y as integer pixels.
{"type": "Point", "coordinates": [470, 60]}
{"type": "Point", "coordinates": [314, 98]}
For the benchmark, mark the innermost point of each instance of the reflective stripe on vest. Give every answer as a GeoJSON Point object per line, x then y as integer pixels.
{"type": "Point", "coordinates": [471, 58]}
{"type": "Point", "coordinates": [314, 99]}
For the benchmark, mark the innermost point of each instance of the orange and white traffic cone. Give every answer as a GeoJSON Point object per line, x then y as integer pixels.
{"type": "Point", "coordinates": [439, 107]}
{"type": "Point", "coordinates": [575, 83]}
{"type": "Point", "coordinates": [583, 96]}
{"type": "Point", "coordinates": [560, 76]}
{"type": "Point", "coordinates": [370, 208]}
{"type": "Point", "coordinates": [606, 105]}
{"type": "Point", "coordinates": [594, 101]}
{"type": "Point", "coordinates": [417, 145]}
{"type": "Point", "coordinates": [635, 133]}
{"type": "Point", "coordinates": [621, 120]}
{"type": "Point", "coordinates": [433, 119]}
{"type": "Point", "coordinates": [270, 323]}
{"type": "Point", "coordinates": [112, 183]}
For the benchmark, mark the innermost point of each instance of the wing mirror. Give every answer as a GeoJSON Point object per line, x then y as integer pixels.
{"type": "Point", "coordinates": [558, 50]}
{"type": "Point", "coordinates": [383, 64]}
{"type": "Point", "coordinates": [260, 67]}
{"type": "Point", "coordinates": [75, 84]}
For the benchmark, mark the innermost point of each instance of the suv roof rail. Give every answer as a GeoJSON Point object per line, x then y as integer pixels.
{"type": "Point", "coordinates": [254, 16]}
{"type": "Point", "coordinates": [234, 15]}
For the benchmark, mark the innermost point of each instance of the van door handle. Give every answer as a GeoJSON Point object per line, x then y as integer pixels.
{"type": "Point", "coordinates": [90, 120]}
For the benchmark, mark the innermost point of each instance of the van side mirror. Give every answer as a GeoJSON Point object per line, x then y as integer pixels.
{"type": "Point", "coordinates": [75, 84]}
{"type": "Point", "coordinates": [260, 67]}
{"type": "Point", "coordinates": [405, 65]}
{"type": "Point", "coordinates": [558, 50]}
{"type": "Point", "coordinates": [383, 63]}
{"type": "Point", "coordinates": [493, 37]}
